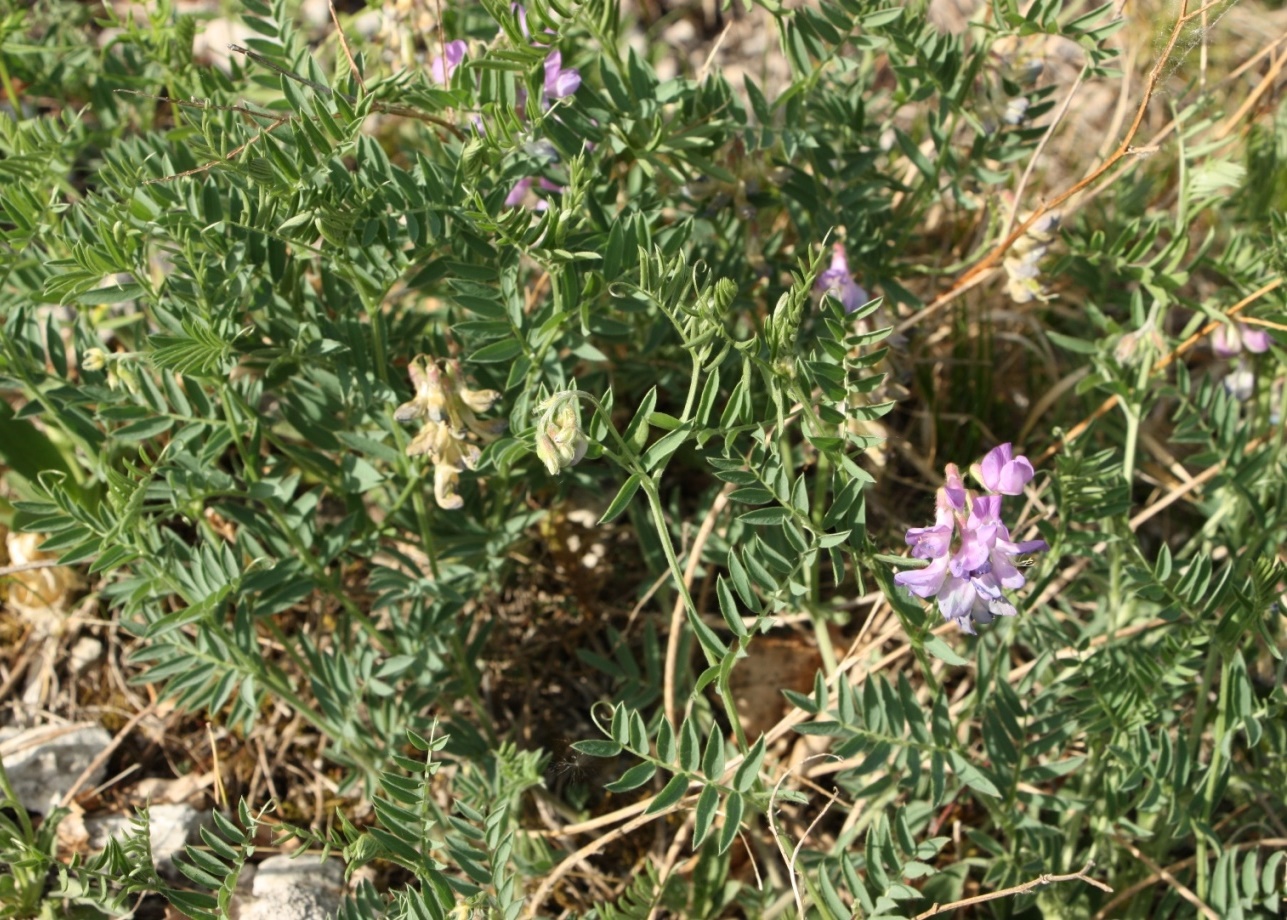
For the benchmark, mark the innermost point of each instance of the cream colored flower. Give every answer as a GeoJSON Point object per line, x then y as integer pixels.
{"type": "Point", "coordinates": [560, 443]}
{"type": "Point", "coordinates": [448, 408]}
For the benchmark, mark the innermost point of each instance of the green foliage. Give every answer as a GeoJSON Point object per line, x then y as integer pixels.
{"type": "Point", "coordinates": [218, 280]}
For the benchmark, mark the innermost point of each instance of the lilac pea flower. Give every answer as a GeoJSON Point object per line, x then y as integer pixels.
{"type": "Point", "coordinates": [839, 282]}
{"type": "Point", "coordinates": [1001, 471]}
{"type": "Point", "coordinates": [1001, 559]}
{"type": "Point", "coordinates": [930, 542]}
{"type": "Point", "coordinates": [441, 68]}
{"type": "Point", "coordinates": [1255, 340]}
{"type": "Point", "coordinates": [1240, 382]}
{"type": "Point", "coordinates": [926, 582]}
{"type": "Point", "coordinates": [978, 599]}
{"type": "Point", "coordinates": [559, 81]}
{"type": "Point", "coordinates": [1225, 341]}
{"type": "Point", "coordinates": [976, 547]}
{"type": "Point", "coordinates": [1231, 338]}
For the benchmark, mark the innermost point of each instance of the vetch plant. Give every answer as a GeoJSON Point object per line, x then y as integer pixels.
{"type": "Point", "coordinates": [462, 431]}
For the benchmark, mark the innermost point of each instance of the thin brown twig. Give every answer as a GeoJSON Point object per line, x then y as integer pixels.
{"type": "Point", "coordinates": [228, 157]}
{"type": "Point", "coordinates": [279, 120]}
{"type": "Point", "coordinates": [1252, 98]}
{"type": "Point", "coordinates": [19, 668]}
{"type": "Point", "coordinates": [387, 108]}
{"type": "Point", "coordinates": [1180, 888]}
{"type": "Point", "coordinates": [8, 570]}
{"type": "Point", "coordinates": [101, 757]}
{"type": "Point", "coordinates": [1173, 495]}
{"type": "Point", "coordinates": [344, 43]}
{"type": "Point", "coordinates": [677, 612]}
{"type": "Point", "coordinates": [1037, 882]}
{"type": "Point", "coordinates": [790, 860]}
{"type": "Point", "coordinates": [1162, 363]}
{"type": "Point", "coordinates": [1127, 893]}
{"type": "Point", "coordinates": [556, 874]}
{"type": "Point", "coordinates": [794, 717]}
{"type": "Point", "coordinates": [1060, 114]}
{"type": "Point", "coordinates": [981, 268]}
{"type": "Point", "coordinates": [784, 725]}
{"type": "Point", "coordinates": [672, 857]}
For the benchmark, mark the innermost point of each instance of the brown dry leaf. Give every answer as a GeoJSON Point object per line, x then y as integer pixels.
{"type": "Point", "coordinates": [774, 663]}
{"type": "Point", "coordinates": [41, 596]}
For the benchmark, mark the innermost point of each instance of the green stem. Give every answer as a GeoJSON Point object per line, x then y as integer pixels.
{"type": "Point", "coordinates": [1213, 768]}
{"type": "Point", "coordinates": [426, 532]}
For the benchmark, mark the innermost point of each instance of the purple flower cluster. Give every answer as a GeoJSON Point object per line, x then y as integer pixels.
{"type": "Point", "coordinates": [560, 82]}
{"type": "Point", "coordinates": [972, 555]}
{"type": "Point", "coordinates": [1229, 339]}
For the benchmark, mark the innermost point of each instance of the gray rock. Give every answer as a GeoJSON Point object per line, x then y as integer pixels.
{"type": "Point", "coordinates": [169, 827]}
{"type": "Point", "coordinates": [45, 761]}
{"type": "Point", "coordinates": [303, 888]}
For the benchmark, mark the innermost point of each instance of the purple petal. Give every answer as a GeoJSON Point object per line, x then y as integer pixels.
{"type": "Point", "coordinates": [521, 12]}
{"type": "Point", "coordinates": [1015, 475]}
{"type": "Point", "coordinates": [1005, 573]}
{"type": "Point", "coordinates": [956, 602]}
{"type": "Point", "coordinates": [1002, 608]}
{"type": "Point", "coordinates": [1030, 546]}
{"type": "Point", "coordinates": [954, 488]}
{"type": "Point", "coordinates": [924, 582]}
{"type": "Point", "coordinates": [1225, 341]}
{"type": "Point", "coordinates": [518, 192]}
{"type": "Point", "coordinates": [559, 82]}
{"type": "Point", "coordinates": [976, 545]}
{"type": "Point", "coordinates": [986, 510]}
{"type": "Point", "coordinates": [839, 260]}
{"type": "Point", "coordinates": [1255, 340]}
{"type": "Point", "coordinates": [929, 542]}
{"type": "Point", "coordinates": [986, 586]}
{"type": "Point", "coordinates": [990, 467]}
{"type": "Point", "coordinates": [455, 54]}
{"type": "Point", "coordinates": [566, 84]}
{"type": "Point", "coordinates": [1241, 381]}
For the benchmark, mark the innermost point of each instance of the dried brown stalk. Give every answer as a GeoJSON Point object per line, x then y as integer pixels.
{"type": "Point", "coordinates": [1037, 882]}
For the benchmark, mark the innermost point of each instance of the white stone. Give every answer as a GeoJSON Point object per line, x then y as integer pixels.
{"type": "Point", "coordinates": [85, 652]}
{"type": "Point", "coordinates": [45, 761]}
{"type": "Point", "coordinates": [303, 888]}
{"type": "Point", "coordinates": [169, 828]}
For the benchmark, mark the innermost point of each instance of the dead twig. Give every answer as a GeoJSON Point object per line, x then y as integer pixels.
{"type": "Point", "coordinates": [677, 613]}
{"type": "Point", "coordinates": [101, 757]}
{"type": "Point", "coordinates": [8, 570]}
{"type": "Point", "coordinates": [1037, 882]}
{"type": "Point", "coordinates": [1127, 893]}
{"type": "Point", "coordinates": [1183, 348]}
{"type": "Point", "coordinates": [1180, 888]}
{"type": "Point", "coordinates": [981, 269]}
{"type": "Point", "coordinates": [344, 43]}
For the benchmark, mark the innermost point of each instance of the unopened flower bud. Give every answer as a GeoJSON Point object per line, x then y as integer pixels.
{"type": "Point", "coordinates": [1016, 111]}
{"type": "Point", "coordinates": [560, 443]}
{"type": "Point", "coordinates": [94, 360]}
